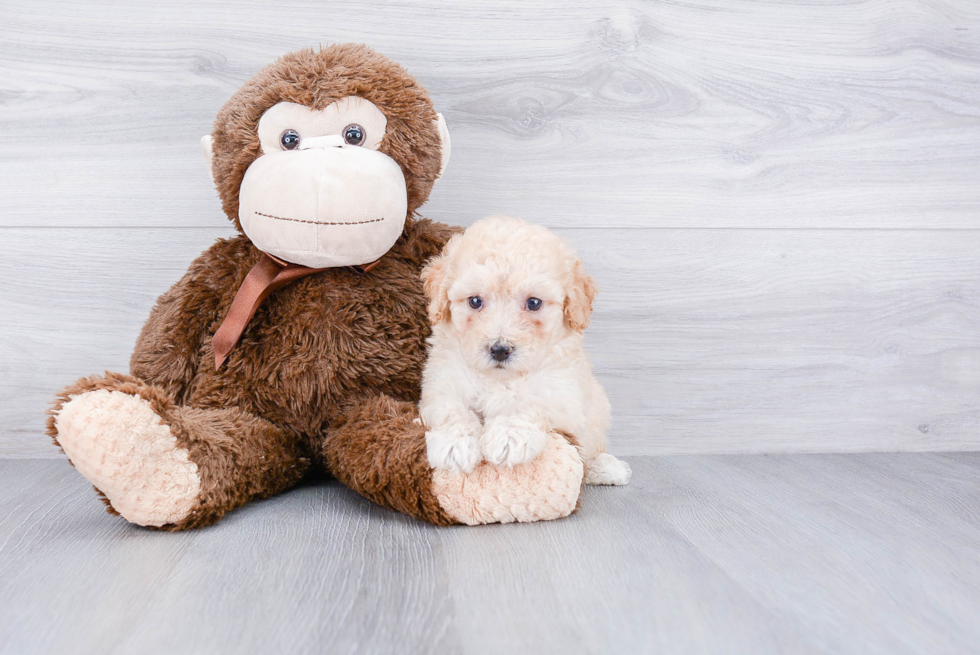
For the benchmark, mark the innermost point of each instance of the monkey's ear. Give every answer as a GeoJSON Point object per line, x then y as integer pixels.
{"type": "Point", "coordinates": [207, 145]}
{"type": "Point", "coordinates": [444, 140]}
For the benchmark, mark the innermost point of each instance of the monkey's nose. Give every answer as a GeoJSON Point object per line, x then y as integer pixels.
{"type": "Point", "coordinates": [500, 351]}
{"type": "Point", "coordinates": [328, 141]}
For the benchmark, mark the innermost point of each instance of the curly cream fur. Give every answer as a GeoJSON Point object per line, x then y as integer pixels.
{"type": "Point", "coordinates": [476, 407]}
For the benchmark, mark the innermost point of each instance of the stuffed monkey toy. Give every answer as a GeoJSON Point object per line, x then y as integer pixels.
{"type": "Point", "coordinates": [299, 343]}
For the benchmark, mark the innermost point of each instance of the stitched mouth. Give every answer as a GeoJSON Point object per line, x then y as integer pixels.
{"type": "Point", "coordinates": [299, 220]}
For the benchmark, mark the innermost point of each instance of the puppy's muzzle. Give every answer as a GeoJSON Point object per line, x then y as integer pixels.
{"type": "Point", "coordinates": [501, 351]}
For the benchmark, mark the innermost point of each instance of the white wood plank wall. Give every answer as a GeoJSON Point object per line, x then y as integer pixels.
{"type": "Point", "coordinates": [779, 199]}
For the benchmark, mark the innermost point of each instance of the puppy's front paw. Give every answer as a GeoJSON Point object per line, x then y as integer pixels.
{"type": "Point", "coordinates": [512, 441]}
{"type": "Point", "coordinates": [452, 449]}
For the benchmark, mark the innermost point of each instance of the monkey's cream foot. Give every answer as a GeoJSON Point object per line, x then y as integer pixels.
{"type": "Point", "coordinates": [122, 447]}
{"type": "Point", "coordinates": [606, 469]}
{"type": "Point", "coordinates": [512, 441]}
{"type": "Point", "coordinates": [453, 448]}
{"type": "Point", "coordinates": [546, 488]}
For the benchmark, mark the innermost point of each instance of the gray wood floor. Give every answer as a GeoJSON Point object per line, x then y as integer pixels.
{"type": "Point", "coordinates": [859, 553]}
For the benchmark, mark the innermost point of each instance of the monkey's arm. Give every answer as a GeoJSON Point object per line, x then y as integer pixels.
{"type": "Point", "coordinates": [172, 344]}
{"type": "Point", "coordinates": [377, 448]}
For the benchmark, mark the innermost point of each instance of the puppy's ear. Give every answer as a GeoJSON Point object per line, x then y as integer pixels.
{"type": "Point", "coordinates": [435, 283]}
{"type": "Point", "coordinates": [580, 293]}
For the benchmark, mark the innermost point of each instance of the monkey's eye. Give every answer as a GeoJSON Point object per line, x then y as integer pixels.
{"type": "Point", "coordinates": [475, 302]}
{"type": "Point", "coordinates": [289, 140]}
{"type": "Point", "coordinates": [533, 304]}
{"type": "Point", "coordinates": [354, 134]}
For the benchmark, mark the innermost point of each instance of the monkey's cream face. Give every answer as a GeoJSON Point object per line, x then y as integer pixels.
{"type": "Point", "coordinates": [321, 194]}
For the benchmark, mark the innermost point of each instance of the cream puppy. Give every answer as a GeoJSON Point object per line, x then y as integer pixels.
{"type": "Point", "coordinates": [508, 303]}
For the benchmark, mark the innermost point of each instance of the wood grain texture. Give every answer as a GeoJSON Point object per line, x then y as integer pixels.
{"type": "Point", "coordinates": [706, 340]}
{"type": "Point", "coordinates": [821, 554]}
{"type": "Point", "coordinates": [779, 199]}
{"type": "Point", "coordinates": [705, 113]}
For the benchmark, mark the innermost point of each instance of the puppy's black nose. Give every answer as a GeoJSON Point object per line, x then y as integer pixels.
{"type": "Point", "coordinates": [500, 351]}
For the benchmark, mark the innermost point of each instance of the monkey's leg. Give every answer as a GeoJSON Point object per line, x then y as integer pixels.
{"type": "Point", "coordinates": [378, 450]}
{"type": "Point", "coordinates": [167, 466]}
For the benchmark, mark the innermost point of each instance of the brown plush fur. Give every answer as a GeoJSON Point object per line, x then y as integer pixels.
{"type": "Point", "coordinates": [378, 450]}
{"type": "Point", "coordinates": [327, 364]}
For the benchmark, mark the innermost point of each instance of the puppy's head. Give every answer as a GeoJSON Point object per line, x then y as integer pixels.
{"type": "Point", "coordinates": [506, 292]}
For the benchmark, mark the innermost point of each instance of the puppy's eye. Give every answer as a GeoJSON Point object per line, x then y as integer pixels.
{"type": "Point", "coordinates": [475, 302]}
{"type": "Point", "coordinates": [289, 140]}
{"type": "Point", "coordinates": [533, 304]}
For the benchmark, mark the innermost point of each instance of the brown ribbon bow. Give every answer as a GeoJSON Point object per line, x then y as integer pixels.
{"type": "Point", "coordinates": [265, 277]}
